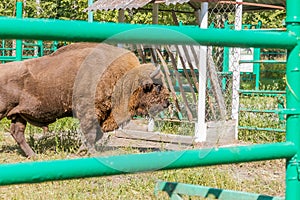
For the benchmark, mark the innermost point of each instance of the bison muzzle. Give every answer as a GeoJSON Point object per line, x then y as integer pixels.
{"type": "Point", "coordinates": [102, 85]}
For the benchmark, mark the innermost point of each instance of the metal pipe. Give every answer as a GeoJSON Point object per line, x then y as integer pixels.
{"type": "Point", "coordinates": [69, 30]}
{"type": "Point", "coordinates": [264, 61]}
{"type": "Point", "coordinates": [292, 12]}
{"type": "Point", "coordinates": [19, 15]}
{"type": "Point", "coordinates": [90, 13]}
{"type": "Point", "coordinates": [293, 101]}
{"type": "Point", "coordinates": [33, 172]}
{"type": "Point", "coordinates": [259, 111]}
{"type": "Point", "coordinates": [260, 92]}
{"type": "Point", "coordinates": [251, 128]}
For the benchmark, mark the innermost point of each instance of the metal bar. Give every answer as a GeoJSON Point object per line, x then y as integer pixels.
{"type": "Point", "coordinates": [13, 58]}
{"type": "Point", "coordinates": [293, 101]}
{"type": "Point", "coordinates": [256, 67]}
{"type": "Point", "coordinates": [7, 58]}
{"type": "Point", "coordinates": [259, 111]}
{"type": "Point", "coordinates": [251, 128]}
{"type": "Point", "coordinates": [90, 13]}
{"type": "Point", "coordinates": [33, 172]}
{"type": "Point", "coordinates": [264, 61]}
{"type": "Point", "coordinates": [263, 92]}
{"type": "Point", "coordinates": [40, 48]}
{"type": "Point", "coordinates": [19, 15]}
{"type": "Point", "coordinates": [30, 44]}
{"type": "Point", "coordinates": [173, 188]}
{"type": "Point", "coordinates": [8, 49]}
{"type": "Point", "coordinates": [69, 30]}
{"type": "Point", "coordinates": [292, 12]}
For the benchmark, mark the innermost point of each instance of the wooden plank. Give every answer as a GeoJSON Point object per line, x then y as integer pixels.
{"type": "Point", "coordinates": [186, 74]}
{"type": "Point", "coordinates": [155, 10]}
{"type": "Point", "coordinates": [153, 136]}
{"type": "Point", "coordinates": [141, 54]}
{"type": "Point", "coordinates": [185, 54]}
{"type": "Point", "coordinates": [124, 142]}
{"type": "Point", "coordinates": [183, 95]}
{"type": "Point", "coordinates": [221, 132]}
{"type": "Point", "coordinates": [171, 86]}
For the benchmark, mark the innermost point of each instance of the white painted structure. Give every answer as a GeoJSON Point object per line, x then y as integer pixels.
{"type": "Point", "coordinates": [201, 127]}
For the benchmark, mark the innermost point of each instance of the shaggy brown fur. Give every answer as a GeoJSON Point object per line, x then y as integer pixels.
{"type": "Point", "coordinates": [95, 82]}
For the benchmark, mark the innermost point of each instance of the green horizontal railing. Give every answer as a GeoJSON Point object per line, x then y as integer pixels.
{"type": "Point", "coordinates": [33, 172]}
{"type": "Point", "coordinates": [40, 29]}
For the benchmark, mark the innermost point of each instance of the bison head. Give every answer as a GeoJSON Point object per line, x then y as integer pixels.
{"type": "Point", "coordinates": [139, 92]}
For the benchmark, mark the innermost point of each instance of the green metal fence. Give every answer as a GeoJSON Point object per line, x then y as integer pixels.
{"type": "Point", "coordinates": [102, 166]}
{"type": "Point", "coordinates": [16, 50]}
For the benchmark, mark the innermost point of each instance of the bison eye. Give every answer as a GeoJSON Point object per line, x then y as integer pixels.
{"type": "Point", "coordinates": [147, 87]}
{"type": "Point", "coordinates": [158, 88]}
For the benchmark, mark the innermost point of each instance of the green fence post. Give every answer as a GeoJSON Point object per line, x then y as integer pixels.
{"type": "Point", "coordinates": [54, 46]}
{"type": "Point", "coordinates": [225, 60]}
{"type": "Point", "coordinates": [257, 57]}
{"type": "Point", "coordinates": [40, 46]}
{"type": "Point", "coordinates": [225, 67]}
{"type": "Point", "coordinates": [256, 67]}
{"type": "Point", "coordinates": [3, 50]}
{"type": "Point", "coordinates": [19, 15]}
{"type": "Point", "coordinates": [293, 100]}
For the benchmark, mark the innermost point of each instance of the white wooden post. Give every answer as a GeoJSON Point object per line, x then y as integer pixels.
{"type": "Point", "coordinates": [121, 16]}
{"type": "Point", "coordinates": [200, 130]}
{"type": "Point", "coordinates": [121, 19]}
{"type": "Point", "coordinates": [236, 70]}
{"type": "Point", "coordinates": [155, 13]}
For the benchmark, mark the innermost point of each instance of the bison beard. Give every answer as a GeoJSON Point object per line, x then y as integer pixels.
{"type": "Point", "coordinates": [104, 86]}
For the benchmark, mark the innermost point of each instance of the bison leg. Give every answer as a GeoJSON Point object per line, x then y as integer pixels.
{"type": "Point", "coordinates": [17, 129]}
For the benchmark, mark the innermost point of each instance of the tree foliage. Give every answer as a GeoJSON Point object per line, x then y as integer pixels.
{"type": "Point", "coordinates": [269, 19]}
{"type": "Point", "coordinates": [74, 10]}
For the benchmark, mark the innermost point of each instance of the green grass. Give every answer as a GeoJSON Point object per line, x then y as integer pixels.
{"type": "Point", "coordinates": [179, 128]}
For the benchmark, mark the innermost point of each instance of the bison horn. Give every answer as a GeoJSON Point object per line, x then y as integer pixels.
{"type": "Point", "coordinates": [155, 72]}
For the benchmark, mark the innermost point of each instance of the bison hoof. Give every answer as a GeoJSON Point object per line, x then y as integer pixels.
{"type": "Point", "coordinates": [32, 156]}
{"type": "Point", "coordinates": [85, 150]}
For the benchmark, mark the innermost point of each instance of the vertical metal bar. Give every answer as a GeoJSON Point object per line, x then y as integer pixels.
{"type": "Point", "coordinates": [40, 47]}
{"type": "Point", "coordinates": [225, 60]}
{"type": "Point", "coordinates": [293, 100]}
{"type": "Point", "coordinates": [19, 15]}
{"type": "Point", "coordinates": [3, 50]}
{"type": "Point", "coordinates": [256, 67]}
{"type": "Point", "coordinates": [257, 57]}
{"type": "Point", "coordinates": [90, 13]}
{"type": "Point", "coordinates": [225, 66]}
{"type": "Point", "coordinates": [54, 46]}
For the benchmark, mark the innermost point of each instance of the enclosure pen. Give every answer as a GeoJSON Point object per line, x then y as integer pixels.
{"type": "Point", "coordinates": [33, 172]}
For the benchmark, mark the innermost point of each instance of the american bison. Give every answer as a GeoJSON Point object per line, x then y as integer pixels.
{"type": "Point", "coordinates": [102, 85]}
